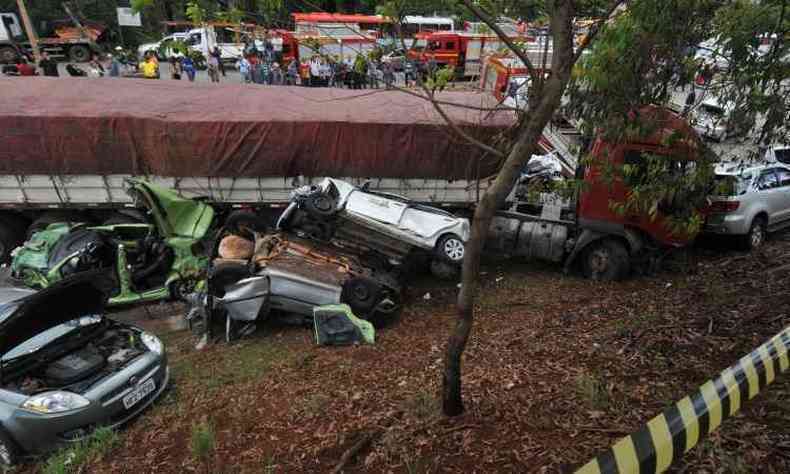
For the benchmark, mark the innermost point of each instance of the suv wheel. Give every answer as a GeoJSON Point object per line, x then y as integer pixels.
{"type": "Point", "coordinates": [756, 236]}
{"type": "Point", "coordinates": [451, 248]}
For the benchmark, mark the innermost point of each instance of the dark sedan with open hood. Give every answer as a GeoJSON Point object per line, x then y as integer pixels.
{"type": "Point", "coordinates": [65, 369]}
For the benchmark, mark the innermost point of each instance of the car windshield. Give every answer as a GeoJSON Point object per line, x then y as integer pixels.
{"type": "Point", "coordinates": [731, 185]}
{"type": "Point", "coordinates": [42, 339]}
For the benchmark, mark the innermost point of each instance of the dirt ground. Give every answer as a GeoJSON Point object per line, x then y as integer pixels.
{"type": "Point", "coordinates": [557, 369]}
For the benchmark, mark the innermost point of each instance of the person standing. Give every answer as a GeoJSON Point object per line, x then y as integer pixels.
{"type": "Point", "coordinates": [149, 68]}
{"type": "Point", "coordinates": [315, 71]}
{"type": "Point", "coordinates": [292, 73]}
{"type": "Point", "coordinates": [244, 70]}
{"type": "Point", "coordinates": [175, 69]}
{"type": "Point", "coordinates": [188, 66]}
{"type": "Point", "coordinates": [115, 66]}
{"type": "Point", "coordinates": [220, 67]}
{"type": "Point", "coordinates": [266, 70]}
{"type": "Point", "coordinates": [213, 68]}
{"type": "Point", "coordinates": [277, 74]}
{"type": "Point", "coordinates": [24, 68]}
{"type": "Point", "coordinates": [389, 75]}
{"type": "Point", "coordinates": [48, 66]}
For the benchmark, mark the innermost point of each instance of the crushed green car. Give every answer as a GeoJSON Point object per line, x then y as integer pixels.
{"type": "Point", "coordinates": [161, 259]}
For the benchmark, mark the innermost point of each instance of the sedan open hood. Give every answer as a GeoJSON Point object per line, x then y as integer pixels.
{"type": "Point", "coordinates": [25, 313]}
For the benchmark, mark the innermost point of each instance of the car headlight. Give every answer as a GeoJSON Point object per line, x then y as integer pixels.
{"type": "Point", "coordinates": [152, 343]}
{"type": "Point", "coordinates": [55, 402]}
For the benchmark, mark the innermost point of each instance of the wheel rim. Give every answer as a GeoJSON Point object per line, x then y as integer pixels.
{"type": "Point", "coordinates": [7, 55]}
{"type": "Point", "coordinates": [5, 454]}
{"type": "Point", "coordinates": [599, 261]}
{"type": "Point", "coordinates": [757, 236]}
{"type": "Point", "coordinates": [454, 249]}
{"type": "Point", "coordinates": [80, 54]}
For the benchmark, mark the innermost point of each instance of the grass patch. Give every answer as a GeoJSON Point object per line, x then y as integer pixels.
{"type": "Point", "coordinates": [592, 390]}
{"type": "Point", "coordinates": [202, 443]}
{"type": "Point", "coordinates": [423, 405]}
{"type": "Point", "coordinates": [73, 458]}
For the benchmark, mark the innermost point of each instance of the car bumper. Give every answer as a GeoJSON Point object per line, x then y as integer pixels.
{"type": "Point", "coordinates": [727, 224]}
{"type": "Point", "coordinates": [40, 433]}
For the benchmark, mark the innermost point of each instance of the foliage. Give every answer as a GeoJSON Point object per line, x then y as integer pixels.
{"type": "Point", "coordinates": [73, 458]}
{"type": "Point", "coordinates": [202, 442]}
{"type": "Point", "coordinates": [234, 15]}
{"type": "Point", "coordinates": [196, 13]}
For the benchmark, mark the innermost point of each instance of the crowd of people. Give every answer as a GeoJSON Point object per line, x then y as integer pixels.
{"type": "Point", "coordinates": [256, 66]}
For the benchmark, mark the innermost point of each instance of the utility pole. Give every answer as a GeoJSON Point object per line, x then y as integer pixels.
{"type": "Point", "coordinates": [31, 33]}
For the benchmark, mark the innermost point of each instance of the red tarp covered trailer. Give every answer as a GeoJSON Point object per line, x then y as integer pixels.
{"type": "Point", "coordinates": [109, 126]}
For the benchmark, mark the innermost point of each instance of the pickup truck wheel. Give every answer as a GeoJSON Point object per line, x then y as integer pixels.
{"type": "Point", "coordinates": [451, 248]}
{"type": "Point", "coordinates": [606, 260]}
{"type": "Point", "coordinates": [9, 451]}
{"type": "Point", "coordinates": [756, 236]}
{"type": "Point", "coordinates": [444, 270]}
{"type": "Point", "coordinates": [319, 206]}
{"type": "Point", "coordinates": [79, 54]}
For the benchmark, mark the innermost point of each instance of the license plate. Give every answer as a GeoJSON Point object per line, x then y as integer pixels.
{"type": "Point", "coordinates": [139, 393]}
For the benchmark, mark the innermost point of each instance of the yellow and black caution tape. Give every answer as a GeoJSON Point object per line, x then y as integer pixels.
{"type": "Point", "coordinates": [665, 438]}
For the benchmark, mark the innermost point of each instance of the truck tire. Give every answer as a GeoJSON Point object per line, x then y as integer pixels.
{"type": "Point", "coordinates": [319, 206]}
{"type": "Point", "coordinates": [47, 218]}
{"type": "Point", "coordinates": [606, 260]}
{"type": "Point", "coordinates": [756, 236]}
{"type": "Point", "coordinates": [361, 294]}
{"type": "Point", "coordinates": [8, 55]}
{"type": "Point", "coordinates": [12, 235]}
{"type": "Point", "coordinates": [79, 53]}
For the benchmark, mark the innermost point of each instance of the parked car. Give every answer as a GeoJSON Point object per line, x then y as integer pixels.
{"type": "Point", "coordinates": [155, 47]}
{"type": "Point", "coordinates": [66, 369]}
{"type": "Point", "coordinates": [291, 276]}
{"type": "Point", "coordinates": [159, 259]}
{"type": "Point", "coordinates": [718, 121]}
{"type": "Point", "coordinates": [389, 225]}
{"type": "Point", "coordinates": [750, 200]}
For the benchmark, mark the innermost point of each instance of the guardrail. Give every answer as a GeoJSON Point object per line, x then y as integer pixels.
{"type": "Point", "coordinates": [668, 436]}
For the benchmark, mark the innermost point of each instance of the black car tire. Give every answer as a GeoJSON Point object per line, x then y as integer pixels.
{"type": "Point", "coordinates": [79, 53]}
{"type": "Point", "coordinates": [8, 55]}
{"type": "Point", "coordinates": [756, 236]}
{"type": "Point", "coordinates": [12, 235]}
{"type": "Point", "coordinates": [245, 224]}
{"type": "Point", "coordinates": [226, 273]}
{"type": "Point", "coordinates": [319, 206]}
{"type": "Point", "coordinates": [9, 451]}
{"type": "Point", "coordinates": [606, 260]}
{"type": "Point", "coordinates": [361, 294]}
{"type": "Point", "coordinates": [51, 217]}
{"type": "Point", "coordinates": [451, 248]}
{"type": "Point", "coordinates": [444, 270]}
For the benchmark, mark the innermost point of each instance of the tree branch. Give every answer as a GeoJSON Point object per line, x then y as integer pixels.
{"type": "Point", "coordinates": [491, 22]}
{"type": "Point", "coordinates": [596, 28]}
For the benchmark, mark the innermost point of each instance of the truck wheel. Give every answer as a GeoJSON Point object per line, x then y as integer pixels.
{"type": "Point", "coordinates": [756, 236]}
{"type": "Point", "coordinates": [606, 260]}
{"type": "Point", "coordinates": [8, 55]}
{"type": "Point", "coordinates": [12, 235]}
{"type": "Point", "coordinates": [9, 451]}
{"type": "Point", "coordinates": [79, 53]}
{"type": "Point", "coordinates": [451, 248]}
{"type": "Point", "coordinates": [444, 270]}
{"type": "Point", "coordinates": [47, 218]}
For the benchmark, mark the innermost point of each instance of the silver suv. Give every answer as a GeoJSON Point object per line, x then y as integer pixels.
{"type": "Point", "coordinates": [750, 200]}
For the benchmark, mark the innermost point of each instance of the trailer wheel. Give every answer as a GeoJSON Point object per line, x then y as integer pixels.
{"type": "Point", "coordinates": [319, 206]}
{"type": "Point", "coordinates": [47, 218]}
{"type": "Point", "coordinates": [361, 294]}
{"type": "Point", "coordinates": [8, 55]}
{"type": "Point", "coordinates": [79, 53]}
{"type": "Point", "coordinates": [606, 260]}
{"type": "Point", "coordinates": [12, 235]}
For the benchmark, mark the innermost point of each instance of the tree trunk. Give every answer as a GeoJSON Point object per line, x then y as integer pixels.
{"type": "Point", "coordinates": [530, 130]}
